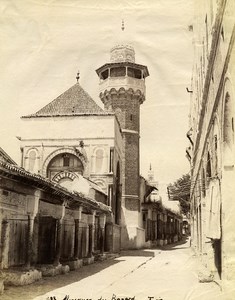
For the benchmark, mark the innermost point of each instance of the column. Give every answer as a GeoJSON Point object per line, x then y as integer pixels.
{"type": "Point", "coordinates": [102, 219]}
{"type": "Point", "coordinates": [91, 224]}
{"type": "Point", "coordinates": [32, 210]}
{"type": "Point", "coordinates": [59, 234]}
{"type": "Point", "coordinates": [5, 244]}
{"type": "Point", "coordinates": [77, 219]}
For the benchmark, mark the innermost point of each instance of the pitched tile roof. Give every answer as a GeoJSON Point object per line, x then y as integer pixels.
{"type": "Point", "coordinates": [36, 180]}
{"type": "Point", "coordinates": [74, 101]}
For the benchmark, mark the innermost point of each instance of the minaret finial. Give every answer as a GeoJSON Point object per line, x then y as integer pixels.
{"type": "Point", "coordinates": [78, 76]}
{"type": "Point", "coordinates": [150, 167]}
{"type": "Point", "coordinates": [123, 26]}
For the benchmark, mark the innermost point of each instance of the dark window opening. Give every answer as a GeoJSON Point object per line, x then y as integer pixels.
{"type": "Point", "coordinates": [104, 75]}
{"type": "Point", "coordinates": [216, 143]}
{"type": "Point", "coordinates": [5, 193]}
{"type": "Point", "coordinates": [66, 161]}
{"type": "Point", "coordinates": [208, 166]}
{"type": "Point", "coordinates": [206, 35]}
{"type": "Point", "coordinates": [111, 160]}
{"type": "Point", "coordinates": [118, 72]}
{"type": "Point", "coordinates": [131, 117]}
{"type": "Point", "coordinates": [203, 184]}
{"type": "Point", "coordinates": [110, 194]}
{"type": "Point", "coordinates": [222, 32]}
{"type": "Point", "coordinates": [216, 155]}
{"type": "Point", "coordinates": [135, 73]}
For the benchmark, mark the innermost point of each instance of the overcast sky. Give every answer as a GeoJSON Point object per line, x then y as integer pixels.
{"type": "Point", "coordinates": [44, 43]}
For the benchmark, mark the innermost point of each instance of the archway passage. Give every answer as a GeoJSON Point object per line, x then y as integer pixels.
{"type": "Point", "coordinates": [64, 162]}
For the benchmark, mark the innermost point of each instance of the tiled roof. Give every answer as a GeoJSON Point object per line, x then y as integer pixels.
{"type": "Point", "coordinates": [50, 186]}
{"type": "Point", "coordinates": [74, 101]}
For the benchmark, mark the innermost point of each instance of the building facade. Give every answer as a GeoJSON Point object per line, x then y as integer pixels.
{"type": "Point", "coordinates": [72, 138]}
{"type": "Point", "coordinates": [162, 225]}
{"type": "Point", "coordinates": [45, 229]}
{"type": "Point", "coordinates": [211, 135]}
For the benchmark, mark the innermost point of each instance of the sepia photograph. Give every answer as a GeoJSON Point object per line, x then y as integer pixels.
{"type": "Point", "coordinates": [117, 150]}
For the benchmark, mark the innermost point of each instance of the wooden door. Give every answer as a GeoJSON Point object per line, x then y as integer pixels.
{"type": "Point", "coordinates": [18, 242]}
{"type": "Point", "coordinates": [46, 240]}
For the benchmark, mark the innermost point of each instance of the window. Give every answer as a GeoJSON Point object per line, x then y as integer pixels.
{"type": "Point", "coordinates": [110, 194]}
{"type": "Point", "coordinates": [135, 73]}
{"type": "Point", "coordinates": [111, 160]}
{"type": "Point", "coordinates": [32, 160]}
{"type": "Point", "coordinates": [206, 35]}
{"type": "Point", "coordinates": [104, 75]}
{"type": "Point", "coordinates": [208, 166]}
{"type": "Point", "coordinates": [216, 152]}
{"type": "Point", "coordinates": [99, 160]}
{"type": "Point", "coordinates": [203, 183]}
{"type": "Point", "coordinates": [65, 160]}
{"type": "Point", "coordinates": [118, 72]}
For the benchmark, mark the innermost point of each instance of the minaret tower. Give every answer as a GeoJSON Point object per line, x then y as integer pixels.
{"type": "Point", "coordinates": [122, 90]}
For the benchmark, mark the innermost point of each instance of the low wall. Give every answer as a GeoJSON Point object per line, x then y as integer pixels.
{"type": "Point", "coordinates": [112, 237]}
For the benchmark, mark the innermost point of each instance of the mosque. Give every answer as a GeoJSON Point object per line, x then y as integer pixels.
{"type": "Point", "coordinates": [78, 195]}
{"type": "Point", "coordinates": [77, 144]}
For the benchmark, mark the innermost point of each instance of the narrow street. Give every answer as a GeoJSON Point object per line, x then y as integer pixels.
{"type": "Point", "coordinates": [167, 274]}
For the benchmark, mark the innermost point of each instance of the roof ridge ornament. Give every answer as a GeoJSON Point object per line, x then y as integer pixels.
{"type": "Point", "coordinates": [123, 25]}
{"type": "Point", "coordinates": [78, 75]}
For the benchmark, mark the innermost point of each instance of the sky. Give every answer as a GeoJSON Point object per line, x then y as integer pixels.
{"type": "Point", "coordinates": [45, 42]}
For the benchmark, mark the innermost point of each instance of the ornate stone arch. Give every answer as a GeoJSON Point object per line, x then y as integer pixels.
{"type": "Point", "coordinates": [70, 150]}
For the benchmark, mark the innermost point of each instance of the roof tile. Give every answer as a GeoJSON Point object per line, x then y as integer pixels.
{"type": "Point", "coordinates": [74, 101]}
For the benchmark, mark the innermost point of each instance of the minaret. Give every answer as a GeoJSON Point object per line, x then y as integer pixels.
{"type": "Point", "coordinates": [150, 174]}
{"type": "Point", "coordinates": [122, 90]}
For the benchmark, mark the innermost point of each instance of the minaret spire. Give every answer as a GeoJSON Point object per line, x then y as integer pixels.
{"type": "Point", "coordinates": [78, 75]}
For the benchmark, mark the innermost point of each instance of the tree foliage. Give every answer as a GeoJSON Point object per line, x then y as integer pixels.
{"type": "Point", "coordinates": [180, 191]}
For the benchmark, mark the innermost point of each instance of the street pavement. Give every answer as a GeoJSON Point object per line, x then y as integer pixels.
{"type": "Point", "coordinates": [170, 273]}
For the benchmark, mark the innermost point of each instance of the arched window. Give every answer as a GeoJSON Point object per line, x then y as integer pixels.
{"type": "Point", "coordinates": [64, 162]}
{"type": "Point", "coordinates": [32, 161]}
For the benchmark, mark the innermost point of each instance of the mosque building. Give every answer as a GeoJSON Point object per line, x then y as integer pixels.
{"type": "Point", "coordinates": [77, 144]}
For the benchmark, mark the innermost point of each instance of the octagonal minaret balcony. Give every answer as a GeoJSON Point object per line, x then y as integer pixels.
{"type": "Point", "coordinates": [122, 72]}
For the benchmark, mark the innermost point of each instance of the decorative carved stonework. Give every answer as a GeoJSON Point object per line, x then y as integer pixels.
{"type": "Point", "coordinates": [122, 53]}
{"type": "Point", "coordinates": [64, 174]}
